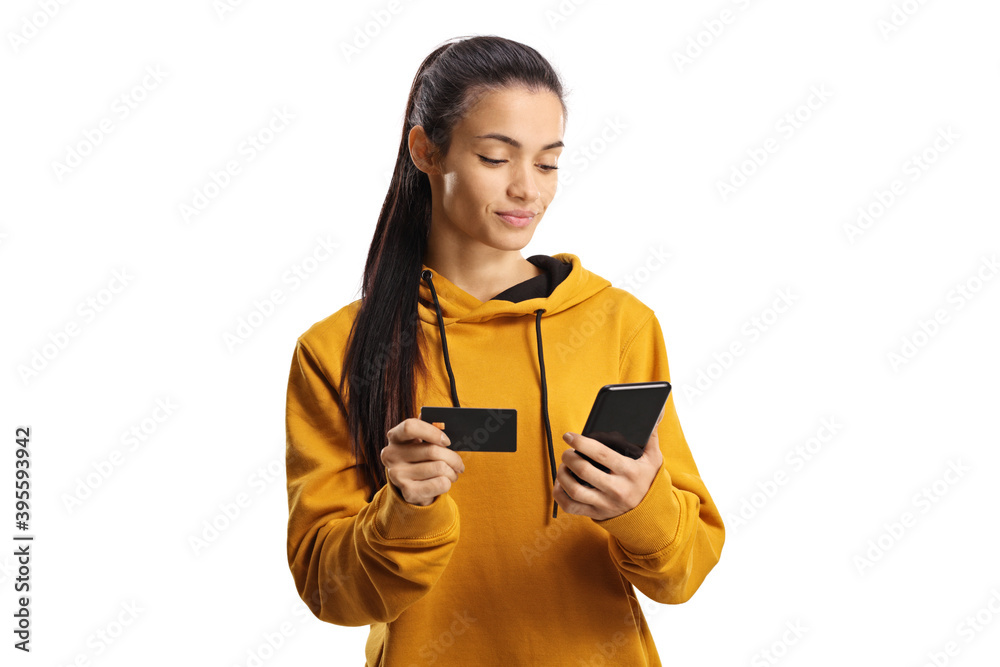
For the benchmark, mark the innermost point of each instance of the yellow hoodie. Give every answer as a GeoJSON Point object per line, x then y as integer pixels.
{"type": "Point", "coordinates": [485, 575]}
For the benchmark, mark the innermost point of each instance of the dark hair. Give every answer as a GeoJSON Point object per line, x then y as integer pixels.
{"type": "Point", "coordinates": [381, 357]}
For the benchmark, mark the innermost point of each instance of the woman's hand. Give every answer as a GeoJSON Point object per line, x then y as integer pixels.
{"type": "Point", "coordinates": [417, 460]}
{"type": "Point", "coordinates": [614, 492]}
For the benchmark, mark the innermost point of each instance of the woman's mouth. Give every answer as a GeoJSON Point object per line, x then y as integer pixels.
{"type": "Point", "coordinates": [516, 220]}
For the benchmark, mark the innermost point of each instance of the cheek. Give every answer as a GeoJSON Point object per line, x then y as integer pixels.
{"type": "Point", "coordinates": [470, 191]}
{"type": "Point", "coordinates": [451, 185]}
{"type": "Point", "coordinates": [547, 188]}
{"type": "Point", "coordinates": [453, 195]}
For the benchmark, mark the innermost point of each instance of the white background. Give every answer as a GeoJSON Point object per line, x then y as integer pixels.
{"type": "Point", "coordinates": [650, 138]}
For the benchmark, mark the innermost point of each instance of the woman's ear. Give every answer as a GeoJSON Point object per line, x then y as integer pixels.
{"type": "Point", "coordinates": [421, 150]}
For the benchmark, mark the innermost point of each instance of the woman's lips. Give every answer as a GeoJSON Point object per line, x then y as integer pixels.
{"type": "Point", "coordinates": [515, 220]}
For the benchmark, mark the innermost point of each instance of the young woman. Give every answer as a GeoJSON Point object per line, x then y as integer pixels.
{"type": "Point", "coordinates": [462, 558]}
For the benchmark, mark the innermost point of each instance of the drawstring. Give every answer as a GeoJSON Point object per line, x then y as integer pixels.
{"type": "Point", "coordinates": [545, 405]}
{"type": "Point", "coordinates": [444, 339]}
{"type": "Point", "coordinates": [426, 275]}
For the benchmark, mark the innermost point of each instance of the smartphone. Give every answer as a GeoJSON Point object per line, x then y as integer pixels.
{"type": "Point", "coordinates": [623, 418]}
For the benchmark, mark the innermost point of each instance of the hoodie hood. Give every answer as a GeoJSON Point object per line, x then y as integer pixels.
{"type": "Point", "coordinates": [564, 284]}
{"type": "Point", "coordinates": [457, 305]}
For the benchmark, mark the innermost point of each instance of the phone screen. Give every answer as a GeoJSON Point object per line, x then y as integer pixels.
{"type": "Point", "coordinates": [625, 416]}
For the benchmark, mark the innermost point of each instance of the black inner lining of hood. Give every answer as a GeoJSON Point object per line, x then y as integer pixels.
{"type": "Point", "coordinates": [539, 286]}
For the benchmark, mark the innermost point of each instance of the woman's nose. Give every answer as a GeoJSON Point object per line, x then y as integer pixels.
{"type": "Point", "coordinates": [523, 185]}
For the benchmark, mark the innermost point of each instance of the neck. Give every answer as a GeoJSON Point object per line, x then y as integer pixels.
{"type": "Point", "coordinates": [482, 278]}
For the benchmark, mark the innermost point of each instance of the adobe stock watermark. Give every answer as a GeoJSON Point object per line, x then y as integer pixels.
{"type": "Point", "coordinates": [605, 651]}
{"type": "Point", "coordinates": [271, 641]}
{"type": "Point", "coordinates": [705, 37]}
{"type": "Point", "coordinates": [246, 152]}
{"type": "Point", "coordinates": [899, 15]}
{"type": "Point", "coordinates": [131, 439]}
{"type": "Point", "coordinates": [9, 569]}
{"type": "Point", "coordinates": [370, 30]}
{"type": "Point", "coordinates": [777, 650]}
{"type": "Point", "coordinates": [229, 511]}
{"type": "Point", "coordinates": [967, 629]}
{"type": "Point", "coordinates": [542, 541]}
{"type": "Point", "coordinates": [752, 330]}
{"type": "Point", "coordinates": [389, 349]}
{"type": "Point", "coordinates": [575, 159]}
{"type": "Point", "coordinates": [32, 24]}
{"type": "Point", "coordinates": [223, 8]}
{"type": "Point", "coordinates": [559, 13]}
{"type": "Point", "coordinates": [883, 199]}
{"type": "Point", "coordinates": [786, 127]}
{"type": "Point", "coordinates": [595, 319]}
{"type": "Point", "coordinates": [795, 460]}
{"type": "Point", "coordinates": [479, 436]}
{"type": "Point", "coordinates": [655, 260]}
{"type": "Point", "coordinates": [122, 106]}
{"type": "Point", "coordinates": [332, 581]}
{"type": "Point", "coordinates": [433, 649]}
{"type": "Point", "coordinates": [923, 501]}
{"type": "Point", "coordinates": [106, 635]}
{"type": "Point", "coordinates": [292, 279]}
{"type": "Point", "coordinates": [927, 329]}
{"type": "Point", "coordinates": [87, 310]}
{"type": "Point", "coordinates": [583, 156]}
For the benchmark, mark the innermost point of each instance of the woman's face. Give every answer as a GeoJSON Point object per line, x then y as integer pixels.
{"type": "Point", "coordinates": [502, 159]}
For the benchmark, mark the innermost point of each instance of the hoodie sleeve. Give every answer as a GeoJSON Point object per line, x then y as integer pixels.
{"type": "Point", "coordinates": [668, 543]}
{"type": "Point", "coordinates": [354, 563]}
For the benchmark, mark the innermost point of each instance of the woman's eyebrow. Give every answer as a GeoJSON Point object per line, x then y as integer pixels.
{"type": "Point", "coordinates": [514, 142]}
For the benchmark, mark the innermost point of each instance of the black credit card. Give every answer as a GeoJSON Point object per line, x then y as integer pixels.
{"type": "Point", "coordinates": [475, 429]}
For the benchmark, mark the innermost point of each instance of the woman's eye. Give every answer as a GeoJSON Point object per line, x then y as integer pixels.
{"type": "Point", "coordinates": [546, 167]}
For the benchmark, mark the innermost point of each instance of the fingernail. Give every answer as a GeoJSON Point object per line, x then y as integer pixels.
{"type": "Point", "coordinates": [568, 436]}
{"type": "Point", "coordinates": [445, 440]}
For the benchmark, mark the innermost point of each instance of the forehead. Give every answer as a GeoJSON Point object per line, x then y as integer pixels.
{"type": "Point", "coordinates": [532, 118]}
